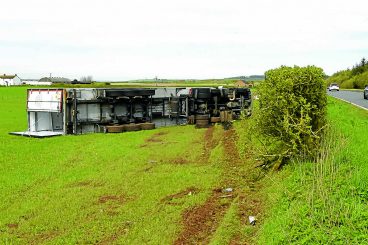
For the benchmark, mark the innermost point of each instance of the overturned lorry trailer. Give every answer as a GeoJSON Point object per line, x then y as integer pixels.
{"type": "Point", "coordinates": [54, 112]}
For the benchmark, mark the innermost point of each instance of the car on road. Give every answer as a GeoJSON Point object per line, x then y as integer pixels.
{"type": "Point", "coordinates": [365, 92]}
{"type": "Point", "coordinates": [333, 87]}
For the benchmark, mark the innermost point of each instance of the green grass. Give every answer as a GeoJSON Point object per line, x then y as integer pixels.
{"type": "Point", "coordinates": [96, 187]}
{"type": "Point", "coordinates": [106, 187]}
{"type": "Point", "coordinates": [111, 188]}
{"type": "Point", "coordinates": [323, 202]}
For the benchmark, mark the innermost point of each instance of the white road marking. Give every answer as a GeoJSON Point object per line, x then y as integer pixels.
{"type": "Point", "coordinates": [362, 107]}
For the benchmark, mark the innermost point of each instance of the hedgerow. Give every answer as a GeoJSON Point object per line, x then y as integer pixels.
{"type": "Point", "coordinates": [292, 113]}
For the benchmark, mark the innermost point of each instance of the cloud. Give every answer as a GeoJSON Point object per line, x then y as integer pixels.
{"type": "Point", "coordinates": [179, 39]}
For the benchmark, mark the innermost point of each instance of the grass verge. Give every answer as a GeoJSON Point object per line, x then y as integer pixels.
{"type": "Point", "coordinates": [323, 202]}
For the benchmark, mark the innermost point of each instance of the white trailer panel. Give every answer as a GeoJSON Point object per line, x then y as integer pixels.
{"type": "Point", "coordinates": [45, 100]}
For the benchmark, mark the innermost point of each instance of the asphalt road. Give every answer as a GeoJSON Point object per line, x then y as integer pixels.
{"type": "Point", "coordinates": [355, 97]}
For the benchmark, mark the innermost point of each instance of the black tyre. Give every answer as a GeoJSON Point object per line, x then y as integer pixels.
{"type": "Point", "coordinates": [114, 129]}
{"type": "Point", "coordinates": [147, 126]}
{"type": "Point", "coordinates": [202, 117]}
{"type": "Point", "coordinates": [215, 119]}
{"type": "Point", "coordinates": [132, 127]}
{"type": "Point", "coordinates": [202, 123]}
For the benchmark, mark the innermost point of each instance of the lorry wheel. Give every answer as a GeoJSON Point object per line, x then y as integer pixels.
{"type": "Point", "coordinates": [115, 129]}
{"type": "Point", "coordinates": [202, 117]}
{"type": "Point", "coordinates": [202, 123]}
{"type": "Point", "coordinates": [215, 119]}
{"type": "Point", "coordinates": [147, 126]}
{"type": "Point", "coordinates": [132, 127]}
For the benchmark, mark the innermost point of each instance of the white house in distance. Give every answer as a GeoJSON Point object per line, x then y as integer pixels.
{"type": "Point", "coordinates": [10, 80]}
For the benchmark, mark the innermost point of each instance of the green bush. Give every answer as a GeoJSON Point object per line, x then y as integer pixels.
{"type": "Point", "coordinates": [348, 84]}
{"type": "Point", "coordinates": [292, 113]}
{"type": "Point", "coordinates": [340, 77]}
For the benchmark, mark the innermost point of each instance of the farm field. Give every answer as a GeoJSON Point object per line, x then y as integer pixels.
{"type": "Point", "coordinates": [167, 186]}
{"type": "Point", "coordinates": [156, 187]}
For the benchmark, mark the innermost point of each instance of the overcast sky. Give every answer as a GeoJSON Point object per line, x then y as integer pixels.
{"type": "Point", "coordinates": [120, 40]}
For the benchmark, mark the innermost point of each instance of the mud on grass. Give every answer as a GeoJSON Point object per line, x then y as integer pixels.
{"type": "Point", "coordinates": [207, 223]}
{"type": "Point", "coordinates": [201, 222]}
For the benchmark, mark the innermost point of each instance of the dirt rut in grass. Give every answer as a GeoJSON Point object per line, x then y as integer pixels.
{"type": "Point", "coordinates": [155, 138]}
{"type": "Point", "coordinates": [200, 222]}
{"type": "Point", "coordinates": [209, 143]}
{"type": "Point", "coordinates": [231, 151]}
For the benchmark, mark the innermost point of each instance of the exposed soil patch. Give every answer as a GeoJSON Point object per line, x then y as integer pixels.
{"type": "Point", "coordinates": [120, 231]}
{"type": "Point", "coordinates": [155, 138]}
{"type": "Point", "coordinates": [111, 198]}
{"type": "Point", "coordinates": [40, 237]}
{"type": "Point", "coordinates": [202, 221]}
{"type": "Point", "coordinates": [250, 204]}
{"type": "Point", "coordinates": [187, 192]}
{"type": "Point", "coordinates": [147, 169]}
{"type": "Point", "coordinates": [209, 144]}
{"type": "Point", "coordinates": [179, 161]}
{"type": "Point", "coordinates": [12, 226]}
{"type": "Point", "coordinates": [237, 241]}
{"type": "Point", "coordinates": [111, 204]}
{"type": "Point", "coordinates": [229, 142]}
{"type": "Point", "coordinates": [85, 183]}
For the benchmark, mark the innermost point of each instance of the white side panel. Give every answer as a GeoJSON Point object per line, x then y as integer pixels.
{"type": "Point", "coordinates": [44, 121]}
{"type": "Point", "coordinates": [45, 100]}
{"type": "Point", "coordinates": [32, 121]}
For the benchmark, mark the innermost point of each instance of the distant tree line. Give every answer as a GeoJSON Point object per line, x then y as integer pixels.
{"type": "Point", "coordinates": [86, 79]}
{"type": "Point", "coordinates": [354, 78]}
{"type": "Point", "coordinates": [360, 67]}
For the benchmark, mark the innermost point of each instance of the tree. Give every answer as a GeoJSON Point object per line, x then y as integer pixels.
{"type": "Point", "coordinates": [86, 79]}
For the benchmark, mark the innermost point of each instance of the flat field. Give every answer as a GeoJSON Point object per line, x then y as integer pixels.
{"type": "Point", "coordinates": [155, 187]}
{"type": "Point", "coordinates": [167, 186]}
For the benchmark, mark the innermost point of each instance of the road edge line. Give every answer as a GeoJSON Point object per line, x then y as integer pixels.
{"type": "Point", "coordinates": [361, 107]}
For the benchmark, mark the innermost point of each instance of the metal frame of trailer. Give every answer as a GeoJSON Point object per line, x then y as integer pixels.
{"type": "Point", "coordinates": [53, 112]}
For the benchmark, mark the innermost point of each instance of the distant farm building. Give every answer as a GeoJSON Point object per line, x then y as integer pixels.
{"type": "Point", "coordinates": [240, 84]}
{"type": "Point", "coordinates": [35, 82]}
{"type": "Point", "coordinates": [10, 80]}
{"type": "Point", "coordinates": [55, 80]}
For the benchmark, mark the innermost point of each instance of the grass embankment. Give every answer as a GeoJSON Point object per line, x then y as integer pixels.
{"type": "Point", "coordinates": [149, 187]}
{"type": "Point", "coordinates": [323, 202]}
